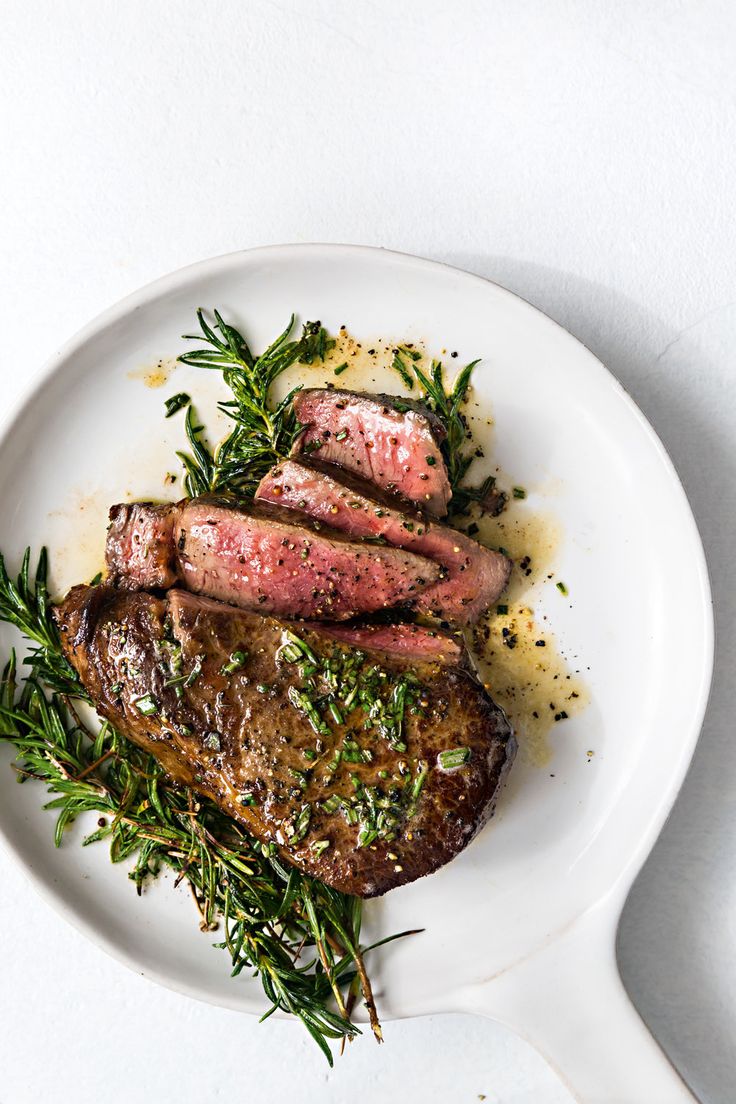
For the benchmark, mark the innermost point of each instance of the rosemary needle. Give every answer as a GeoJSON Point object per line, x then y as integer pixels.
{"type": "Point", "coordinates": [263, 431]}
{"type": "Point", "coordinates": [447, 407]}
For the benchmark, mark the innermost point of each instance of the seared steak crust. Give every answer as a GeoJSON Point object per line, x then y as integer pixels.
{"type": "Point", "coordinates": [473, 576]}
{"type": "Point", "coordinates": [393, 442]}
{"type": "Point", "coordinates": [230, 728]}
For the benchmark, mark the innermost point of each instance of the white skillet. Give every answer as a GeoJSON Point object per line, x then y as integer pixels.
{"type": "Point", "coordinates": [522, 926]}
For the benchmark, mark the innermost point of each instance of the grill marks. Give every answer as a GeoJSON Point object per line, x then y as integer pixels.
{"type": "Point", "coordinates": [391, 442]}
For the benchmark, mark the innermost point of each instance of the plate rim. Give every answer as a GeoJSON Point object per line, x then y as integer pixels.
{"type": "Point", "coordinates": [168, 282]}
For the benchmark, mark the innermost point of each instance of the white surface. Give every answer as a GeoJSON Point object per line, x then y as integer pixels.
{"type": "Point", "coordinates": [582, 155]}
{"type": "Point", "coordinates": [522, 925]}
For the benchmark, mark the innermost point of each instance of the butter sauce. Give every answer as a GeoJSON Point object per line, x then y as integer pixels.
{"type": "Point", "coordinates": [154, 375]}
{"type": "Point", "coordinates": [516, 652]}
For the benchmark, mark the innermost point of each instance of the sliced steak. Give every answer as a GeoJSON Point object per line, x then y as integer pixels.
{"type": "Point", "coordinates": [473, 576]}
{"type": "Point", "coordinates": [141, 551]}
{"type": "Point", "coordinates": [392, 442]}
{"type": "Point", "coordinates": [263, 557]}
{"type": "Point", "coordinates": [401, 639]}
{"type": "Point", "coordinates": [335, 758]}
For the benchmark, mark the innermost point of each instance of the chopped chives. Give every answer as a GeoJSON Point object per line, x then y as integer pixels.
{"type": "Point", "coordinates": [335, 713]}
{"type": "Point", "coordinates": [193, 674]}
{"type": "Point", "coordinates": [147, 705]}
{"type": "Point", "coordinates": [341, 368]}
{"type": "Point", "coordinates": [366, 836]}
{"type": "Point", "coordinates": [562, 588]}
{"type": "Point", "coordinates": [301, 825]}
{"type": "Point", "coordinates": [519, 492]}
{"type": "Point", "coordinates": [453, 757]}
{"type": "Point", "coordinates": [234, 663]}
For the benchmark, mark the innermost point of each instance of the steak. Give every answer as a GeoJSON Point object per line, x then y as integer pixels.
{"type": "Point", "coordinates": [393, 442]}
{"type": "Point", "coordinates": [262, 557]}
{"type": "Point", "coordinates": [402, 639]}
{"type": "Point", "coordinates": [362, 768]}
{"type": "Point", "coordinates": [140, 552]}
{"type": "Point", "coordinates": [473, 576]}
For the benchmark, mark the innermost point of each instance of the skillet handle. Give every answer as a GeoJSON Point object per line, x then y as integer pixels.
{"type": "Point", "coordinates": [569, 1002]}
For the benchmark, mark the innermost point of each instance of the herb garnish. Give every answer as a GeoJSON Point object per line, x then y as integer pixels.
{"type": "Point", "coordinates": [264, 431]}
{"type": "Point", "coordinates": [176, 402]}
{"type": "Point", "coordinates": [447, 407]}
{"type": "Point", "coordinates": [334, 690]}
{"type": "Point", "coordinates": [453, 757]}
{"type": "Point", "coordinates": [271, 916]}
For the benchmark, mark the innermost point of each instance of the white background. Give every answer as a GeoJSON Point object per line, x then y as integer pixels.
{"type": "Point", "coordinates": [582, 154]}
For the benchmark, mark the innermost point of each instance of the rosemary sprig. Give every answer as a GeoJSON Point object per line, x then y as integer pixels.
{"type": "Point", "coordinates": [299, 936]}
{"type": "Point", "coordinates": [200, 469]}
{"type": "Point", "coordinates": [447, 406]}
{"type": "Point", "coordinates": [263, 432]}
{"type": "Point", "coordinates": [27, 606]}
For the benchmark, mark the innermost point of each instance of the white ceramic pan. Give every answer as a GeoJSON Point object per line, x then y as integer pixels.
{"type": "Point", "coordinates": [520, 927]}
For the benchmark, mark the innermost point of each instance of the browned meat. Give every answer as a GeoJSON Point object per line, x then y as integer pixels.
{"type": "Point", "coordinates": [473, 576]}
{"type": "Point", "coordinates": [363, 768]}
{"type": "Point", "coordinates": [261, 557]}
{"type": "Point", "coordinates": [392, 442]}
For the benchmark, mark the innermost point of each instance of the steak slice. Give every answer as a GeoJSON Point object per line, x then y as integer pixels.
{"type": "Point", "coordinates": [262, 557]}
{"type": "Point", "coordinates": [331, 756]}
{"type": "Point", "coordinates": [393, 442]}
{"type": "Point", "coordinates": [401, 639]}
{"type": "Point", "coordinates": [473, 576]}
{"type": "Point", "coordinates": [141, 550]}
